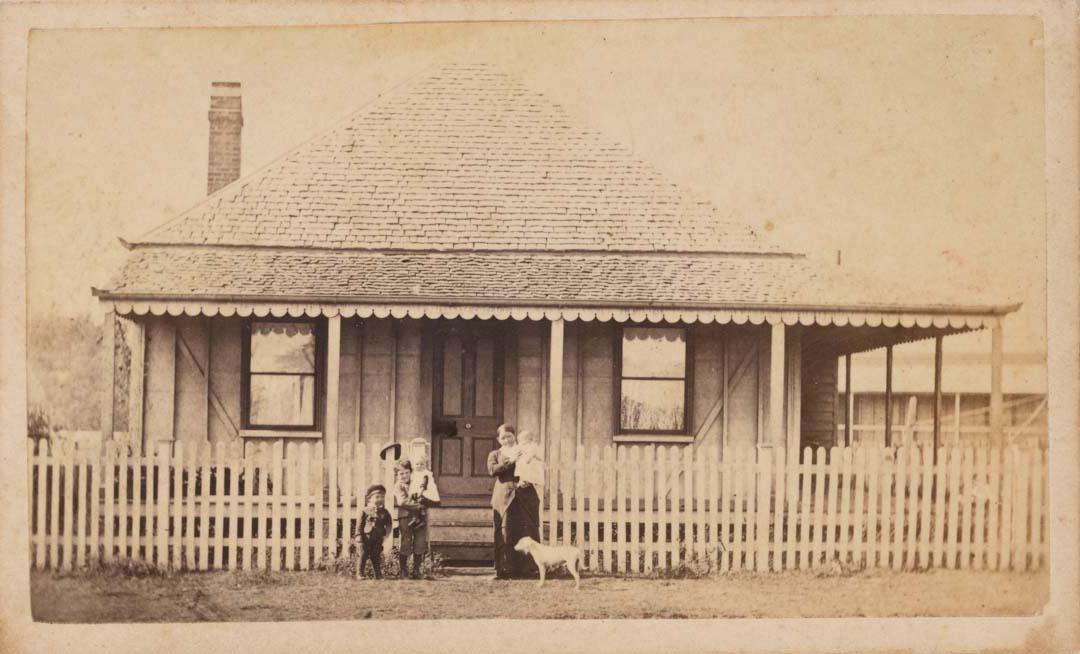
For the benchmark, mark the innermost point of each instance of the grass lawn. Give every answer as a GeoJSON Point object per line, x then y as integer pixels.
{"type": "Point", "coordinates": [237, 596]}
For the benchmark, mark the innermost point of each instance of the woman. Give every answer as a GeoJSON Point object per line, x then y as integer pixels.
{"type": "Point", "coordinates": [516, 509]}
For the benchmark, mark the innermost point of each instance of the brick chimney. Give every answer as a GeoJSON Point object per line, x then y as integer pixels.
{"type": "Point", "coordinates": [226, 120]}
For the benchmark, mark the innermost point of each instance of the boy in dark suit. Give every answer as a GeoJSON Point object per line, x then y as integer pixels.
{"type": "Point", "coordinates": [375, 524]}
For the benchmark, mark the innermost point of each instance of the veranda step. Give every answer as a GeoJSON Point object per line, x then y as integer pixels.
{"type": "Point", "coordinates": [453, 513]}
{"type": "Point", "coordinates": [456, 552]}
{"type": "Point", "coordinates": [464, 534]}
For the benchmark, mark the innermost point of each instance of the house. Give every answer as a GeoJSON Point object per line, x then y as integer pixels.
{"type": "Point", "coordinates": [460, 254]}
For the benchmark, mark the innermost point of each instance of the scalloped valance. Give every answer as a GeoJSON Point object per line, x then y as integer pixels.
{"type": "Point", "coordinates": [840, 318]}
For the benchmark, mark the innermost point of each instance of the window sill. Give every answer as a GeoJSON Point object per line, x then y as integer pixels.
{"type": "Point", "coordinates": [278, 433]}
{"type": "Point", "coordinates": [678, 439]}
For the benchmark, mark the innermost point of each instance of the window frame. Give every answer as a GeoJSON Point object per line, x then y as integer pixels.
{"type": "Point", "coordinates": [319, 330]}
{"type": "Point", "coordinates": [674, 435]}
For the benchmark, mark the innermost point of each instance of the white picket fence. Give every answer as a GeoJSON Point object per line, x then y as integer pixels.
{"type": "Point", "coordinates": [635, 509]}
{"type": "Point", "coordinates": [630, 509]}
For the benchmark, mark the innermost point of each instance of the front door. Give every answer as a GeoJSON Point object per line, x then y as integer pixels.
{"type": "Point", "coordinates": [468, 406]}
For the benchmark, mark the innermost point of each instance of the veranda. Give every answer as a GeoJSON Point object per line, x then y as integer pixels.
{"type": "Point", "coordinates": [631, 509]}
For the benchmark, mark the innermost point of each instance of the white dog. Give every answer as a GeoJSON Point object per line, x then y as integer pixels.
{"type": "Point", "coordinates": [547, 556]}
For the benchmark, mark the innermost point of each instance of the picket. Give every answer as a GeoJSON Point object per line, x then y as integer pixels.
{"type": "Point", "coordinates": [1021, 510]}
{"type": "Point", "coordinates": [940, 506]}
{"type": "Point", "coordinates": [713, 490]}
{"type": "Point", "coordinates": [749, 473]}
{"type": "Point", "coordinates": [592, 465]}
{"type": "Point", "coordinates": [190, 470]}
{"type": "Point", "coordinates": [965, 499]}
{"type": "Point", "coordinates": [649, 496]}
{"type": "Point", "coordinates": [80, 508]}
{"type": "Point", "coordinates": [636, 471]}
{"type": "Point", "coordinates": [684, 542]}
{"type": "Point", "coordinates": [779, 497]}
{"type": "Point", "coordinates": [608, 488]}
{"type": "Point", "coordinates": [761, 498]}
{"type": "Point", "coordinates": [203, 533]}
{"type": "Point", "coordinates": [858, 489]}
{"type": "Point", "coordinates": [579, 496]}
{"type": "Point", "coordinates": [913, 501]}
{"type": "Point", "coordinates": [952, 524]}
{"type": "Point", "coordinates": [1036, 509]}
{"type": "Point", "coordinates": [569, 487]}
{"type": "Point", "coordinates": [303, 489]}
{"type": "Point", "coordinates": [844, 493]}
{"type": "Point", "coordinates": [44, 468]}
{"type": "Point", "coordinates": [899, 506]}
{"type": "Point", "coordinates": [141, 505]}
{"type": "Point", "coordinates": [926, 465]}
{"type": "Point", "coordinates": [246, 549]}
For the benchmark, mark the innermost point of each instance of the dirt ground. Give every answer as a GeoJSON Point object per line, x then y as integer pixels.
{"type": "Point", "coordinates": [234, 596]}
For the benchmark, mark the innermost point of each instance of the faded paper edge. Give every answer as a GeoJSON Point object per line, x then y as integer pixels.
{"type": "Point", "coordinates": [1054, 629]}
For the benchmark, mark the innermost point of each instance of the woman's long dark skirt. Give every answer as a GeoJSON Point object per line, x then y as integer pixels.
{"type": "Point", "coordinates": [522, 519]}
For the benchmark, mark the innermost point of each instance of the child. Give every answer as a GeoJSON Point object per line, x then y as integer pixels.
{"type": "Point", "coordinates": [411, 525]}
{"type": "Point", "coordinates": [422, 487]}
{"type": "Point", "coordinates": [530, 464]}
{"type": "Point", "coordinates": [375, 523]}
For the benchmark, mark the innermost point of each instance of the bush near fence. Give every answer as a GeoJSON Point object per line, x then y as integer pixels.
{"type": "Point", "coordinates": [631, 509]}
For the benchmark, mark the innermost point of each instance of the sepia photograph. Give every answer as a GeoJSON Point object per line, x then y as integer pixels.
{"type": "Point", "coordinates": [636, 319]}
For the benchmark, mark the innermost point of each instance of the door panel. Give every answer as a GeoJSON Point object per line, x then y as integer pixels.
{"type": "Point", "coordinates": [467, 404]}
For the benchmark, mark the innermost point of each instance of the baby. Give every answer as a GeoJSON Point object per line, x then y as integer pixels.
{"type": "Point", "coordinates": [422, 487]}
{"type": "Point", "coordinates": [530, 463]}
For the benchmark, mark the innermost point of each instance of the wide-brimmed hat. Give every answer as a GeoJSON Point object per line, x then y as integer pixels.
{"type": "Point", "coordinates": [391, 451]}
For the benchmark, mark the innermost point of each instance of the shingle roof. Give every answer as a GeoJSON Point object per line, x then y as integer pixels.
{"type": "Point", "coordinates": [634, 280]}
{"type": "Point", "coordinates": [466, 187]}
{"type": "Point", "coordinates": [466, 158]}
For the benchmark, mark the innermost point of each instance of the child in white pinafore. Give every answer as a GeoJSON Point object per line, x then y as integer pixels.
{"type": "Point", "coordinates": [530, 464]}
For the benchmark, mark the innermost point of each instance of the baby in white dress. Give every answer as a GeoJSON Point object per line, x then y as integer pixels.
{"type": "Point", "coordinates": [530, 463]}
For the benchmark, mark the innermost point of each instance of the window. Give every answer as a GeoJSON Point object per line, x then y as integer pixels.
{"type": "Point", "coordinates": [280, 374]}
{"type": "Point", "coordinates": [653, 380]}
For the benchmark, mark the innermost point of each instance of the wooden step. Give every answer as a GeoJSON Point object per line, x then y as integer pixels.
{"type": "Point", "coordinates": [464, 533]}
{"type": "Point", "coordinates": [456, 552]}
{"type": "Point", "coordinates": [446, 515]}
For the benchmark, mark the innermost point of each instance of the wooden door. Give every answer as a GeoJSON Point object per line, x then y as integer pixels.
{"type": "Point", "coordinates": [468, 406]}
